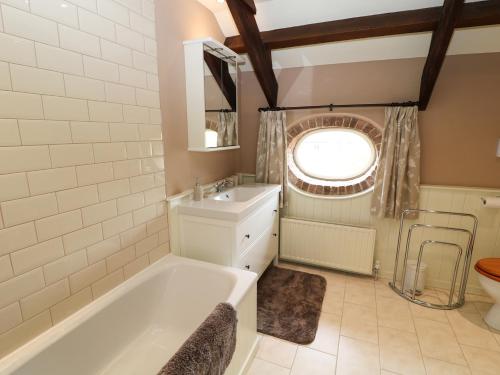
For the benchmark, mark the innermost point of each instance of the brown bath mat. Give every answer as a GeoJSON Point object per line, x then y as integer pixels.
{"type": "Point", "coordinates": [289, 304]}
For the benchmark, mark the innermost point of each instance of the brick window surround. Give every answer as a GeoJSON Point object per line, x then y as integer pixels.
{"type": "Point", "coordinates": [332, 188]}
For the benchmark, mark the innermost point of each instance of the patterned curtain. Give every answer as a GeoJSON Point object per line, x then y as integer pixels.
{"type": "Point", "coordinates": [271, 151]}
{"type": "Point", "coordinates": [227, 131]}
{"type": "Point", "coordinates": [397, 184]}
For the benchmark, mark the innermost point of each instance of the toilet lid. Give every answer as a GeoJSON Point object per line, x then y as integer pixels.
{"type": "Point", "coordinates": [489, 267]}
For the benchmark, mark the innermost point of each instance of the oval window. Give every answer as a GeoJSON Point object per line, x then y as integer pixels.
{"type": "Point", "coordinates": [334, 154]}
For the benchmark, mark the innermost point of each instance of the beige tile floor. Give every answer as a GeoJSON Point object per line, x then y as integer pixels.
{"type": "Point", "coordinates": [365, 328]}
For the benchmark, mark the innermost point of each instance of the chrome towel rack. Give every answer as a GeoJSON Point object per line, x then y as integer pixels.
{"type": "Point", "coordinates": [411, 294]}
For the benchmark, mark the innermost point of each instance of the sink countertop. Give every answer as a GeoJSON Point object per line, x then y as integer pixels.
{"type": "Point", "coordinates": [228, 210]}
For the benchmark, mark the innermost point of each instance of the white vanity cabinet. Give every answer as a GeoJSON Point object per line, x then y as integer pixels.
{"type": "Point", "coordinates": [249, 242]}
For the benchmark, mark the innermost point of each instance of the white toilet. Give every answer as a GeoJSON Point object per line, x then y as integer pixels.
{"type": "Point", "coordinates": [489, 277]}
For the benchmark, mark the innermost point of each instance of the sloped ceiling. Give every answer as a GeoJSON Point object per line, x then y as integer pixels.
{"type": "Point", "coordinates": [275, 14]}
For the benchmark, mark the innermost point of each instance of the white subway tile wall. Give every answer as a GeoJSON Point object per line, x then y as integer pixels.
{"type": "Point", "coordinates": [82, 182]}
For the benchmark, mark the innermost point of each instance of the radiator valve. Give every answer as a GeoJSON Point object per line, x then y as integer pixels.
{"type": "Point", "coordinates": [376, 269]}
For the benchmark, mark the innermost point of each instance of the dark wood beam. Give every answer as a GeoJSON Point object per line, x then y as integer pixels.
{"type": "Point", "coordinates": [259, 54]}
{"type": "Point", "coordinates": [481, 13]}
{"type": "Point", "coordinates": [251, 5]}
{"type": "Point", "coordinates": [440, 41]}
{"type": "Point", "coordinates": [220, 72]}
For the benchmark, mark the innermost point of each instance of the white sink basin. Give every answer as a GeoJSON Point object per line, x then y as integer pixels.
{"type": "Point", "coordinates": [232, 204]}
{"type": "Point", "coordinates": [238, 194]}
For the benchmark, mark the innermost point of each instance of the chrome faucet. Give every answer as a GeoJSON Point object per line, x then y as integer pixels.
{"type": "Point", "coordinates": [222, 185]}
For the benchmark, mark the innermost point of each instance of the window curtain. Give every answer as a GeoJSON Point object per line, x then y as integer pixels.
{"type": "Point", "coordinates": [227, 131]}
{"type": "Point", "coordinates": [271, 151]}
{"type": "Point", "coordinates": [397, 184]}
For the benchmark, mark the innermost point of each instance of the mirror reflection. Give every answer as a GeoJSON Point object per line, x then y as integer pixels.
{"type": "Point", "coordinates": [221, 112]}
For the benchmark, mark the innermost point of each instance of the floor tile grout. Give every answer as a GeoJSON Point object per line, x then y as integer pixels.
{"type": "Point", "coordinates": [378, 333]}
{"type": "Point", "coordinates": [348, 281]}
{"type": "Point", "coordinates": [340, 328]}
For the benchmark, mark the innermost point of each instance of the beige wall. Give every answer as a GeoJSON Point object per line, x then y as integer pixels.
{"type": "Point", "coordinates": [459, 130]}
{"type": "Point", "coordinates": [179, 20]}
{"type": "Point", "coordinates": [82, 187]}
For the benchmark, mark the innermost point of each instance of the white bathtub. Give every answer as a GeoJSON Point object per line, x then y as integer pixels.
{"type": "Point", "coordinates": [137, 327]}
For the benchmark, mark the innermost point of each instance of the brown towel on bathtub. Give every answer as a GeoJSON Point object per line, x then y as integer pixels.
{"type": "Point", "coordinates": [209, 350]}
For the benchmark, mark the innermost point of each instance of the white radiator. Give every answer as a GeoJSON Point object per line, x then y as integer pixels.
{"type": "Point", "coordinates": [342, 247]}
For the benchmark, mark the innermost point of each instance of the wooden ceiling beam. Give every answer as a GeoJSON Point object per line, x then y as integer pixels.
{"type": "Point", "coordinates": [251, 5]}
{"type": "Point", "coordinates": [482, 13]}
{"type": "Point", "coordinates": [220, 72]}
{"type": "Point", "coordinates": [259, 54]}
{"type": "Point", "coordinates": [441, 38]}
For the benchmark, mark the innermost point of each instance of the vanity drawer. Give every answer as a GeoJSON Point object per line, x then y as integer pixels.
{"type": "Point", "coordinates": [260, 254]}
{"type": "Point", "coordinates": [256, 224]}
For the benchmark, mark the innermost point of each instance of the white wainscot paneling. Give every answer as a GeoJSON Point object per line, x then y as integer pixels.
{"type": "Point", "coordinates": [356, 211]}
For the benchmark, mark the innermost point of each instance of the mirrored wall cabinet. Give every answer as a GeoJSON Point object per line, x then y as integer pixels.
{"type": "Point", "coordinates": [212, 95]}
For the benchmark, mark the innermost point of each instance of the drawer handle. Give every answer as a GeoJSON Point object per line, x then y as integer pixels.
{"type": "Point", "coordinates": [247, 266]}
{"type": "Point", "coordinates": [275, 211]}
{"type": "Point", "coordinates": [247, 236]}
{"type": "Point", "coordinates": [275, 234]}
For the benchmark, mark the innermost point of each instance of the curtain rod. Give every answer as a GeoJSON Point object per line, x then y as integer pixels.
{"type": "Point", "coordinates": [219, 110]}
{"type": "Point", "coordinates": [333, 106]}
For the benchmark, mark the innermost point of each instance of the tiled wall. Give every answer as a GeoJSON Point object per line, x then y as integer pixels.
{"type": "Point", "coordinates": [81, 156]}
